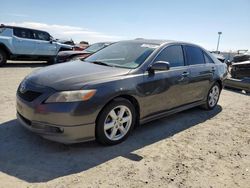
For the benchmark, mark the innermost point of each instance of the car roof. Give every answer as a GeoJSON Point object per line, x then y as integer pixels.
{"type": "Point", "coordinates": [18, 27]}
{"type": "Point", "coordinates": [160, 41]}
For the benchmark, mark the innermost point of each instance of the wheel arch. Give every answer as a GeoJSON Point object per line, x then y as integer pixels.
{"type": "Point", "coordinates": [220, 83]}
{"type": "Point", "coordinates": [5, 49]}
{"type": "Point", "coordinates": [131, 99]}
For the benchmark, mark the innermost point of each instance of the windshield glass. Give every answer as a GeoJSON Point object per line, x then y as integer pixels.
{"type": "Point", "coordinates": [95, 47]}
{"type": "Point", "coordinates": [123, 54]}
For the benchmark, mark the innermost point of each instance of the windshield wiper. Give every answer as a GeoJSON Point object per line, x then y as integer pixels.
{"type": "Point", "coordinates": [101, 63]}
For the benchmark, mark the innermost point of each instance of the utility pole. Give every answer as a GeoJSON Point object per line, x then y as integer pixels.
{"type": "Point", "coordinates": [218, 43]}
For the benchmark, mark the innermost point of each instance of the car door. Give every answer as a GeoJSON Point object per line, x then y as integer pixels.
{"type": "Point", "coordinates": [44, 45]}
{"type": "Point", "coordinates": [166, 89]}
{"type": "Point", "coordinates": [201, 74]}
{"type": "Point", "coordinates": [23, 41]}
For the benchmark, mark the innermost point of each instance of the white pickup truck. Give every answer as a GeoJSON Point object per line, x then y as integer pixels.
{"type": "Point", "coordinates": [17, 43]}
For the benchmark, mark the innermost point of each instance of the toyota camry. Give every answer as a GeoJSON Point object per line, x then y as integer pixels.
{"type": "Point", "coordinates": [125, 84]}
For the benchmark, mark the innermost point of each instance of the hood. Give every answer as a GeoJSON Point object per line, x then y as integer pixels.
{"type": "Point", "coordinates": [64, 45]}
{"type": "Point", "coordinates": [241, 63]}
{"type": "Point", "coordinates": [73, 75]}
{"type": "Point", "coordinates": [68, 53]}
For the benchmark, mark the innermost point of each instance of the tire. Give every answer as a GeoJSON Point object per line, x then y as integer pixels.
{"type": "Point", "coordinates": [3, 58]}
{"type": "Point", "coordinates": [52, 61]}
{"type": "Point", "coordinates": [116, 131]}
{"type": "Point", "coordinates": [212, 97]}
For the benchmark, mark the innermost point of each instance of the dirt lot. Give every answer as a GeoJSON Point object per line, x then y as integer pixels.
{"type": "Point", "coordinates": [194, 148]}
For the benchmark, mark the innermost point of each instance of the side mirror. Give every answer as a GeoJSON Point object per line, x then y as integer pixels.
{"type": "Point", "coordinates": [159, 66]}
{"type": "Point", "coordinates": [51, 40]}
{"type": "Point", "coordinates": [228, 62]}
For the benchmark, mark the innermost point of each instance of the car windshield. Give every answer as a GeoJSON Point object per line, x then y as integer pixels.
{"type": "Point", "coordinates": [94, 47]}
{"type": "Point", "coordinates": [123, 54]}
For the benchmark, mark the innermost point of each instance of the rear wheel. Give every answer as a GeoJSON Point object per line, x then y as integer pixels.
{"type": "Point", "coordinates": [3, 59]}
{"type": "Point", "coordinates": [115, 122]}
{"type": "Point", "coordinates": [213, 97]}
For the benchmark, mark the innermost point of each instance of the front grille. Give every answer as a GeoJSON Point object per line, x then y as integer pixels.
{"type": "Point", "coordinates": [28, 95]}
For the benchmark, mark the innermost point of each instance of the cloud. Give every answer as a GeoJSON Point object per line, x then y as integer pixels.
{"type": "Point", "coordinates": [68, 32]}
{"type": "Point", "coordinates": [18, 15]}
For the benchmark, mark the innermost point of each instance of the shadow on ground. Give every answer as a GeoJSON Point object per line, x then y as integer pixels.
{"type": "Point", "coordinates": [25, 64]}
{"type": "Point", "coordinates": [28, 157]}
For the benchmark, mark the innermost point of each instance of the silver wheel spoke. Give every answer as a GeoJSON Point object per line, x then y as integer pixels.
{"type": "Point", "coordinates": [123, 130]}
{"type": "Point", "coordinates": [113, 133]}
{"type": "Point", "coordinates": [121, 112]}
{"type": "Point", "coordinates": [108, 126]}
{"type": "Point", "coordinates": [113, 114]}
{"type": "Point", "coordinates": [125, 119]}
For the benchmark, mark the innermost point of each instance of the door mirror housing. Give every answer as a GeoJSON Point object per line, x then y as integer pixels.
{"type": "Point", "coordinates": [228, 62]}
{"type": "Point", "coordinates": [159, 66]}
{"type": "Point", "coordinates": [51, 40]}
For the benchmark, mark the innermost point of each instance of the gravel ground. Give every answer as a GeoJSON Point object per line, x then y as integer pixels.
{"type": "Point", "coordinates": [195, 148]}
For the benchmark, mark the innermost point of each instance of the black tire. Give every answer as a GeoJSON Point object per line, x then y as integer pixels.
{"type": "Point", "coordinates": [52, 61]}
{"type": "Point", "coordinates": [3, 57]}
{"type": "Point", "coordinates": [101, 136]}
{"type": "Point", "coordinates": [207, 106]}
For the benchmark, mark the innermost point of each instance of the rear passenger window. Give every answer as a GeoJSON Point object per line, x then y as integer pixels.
{"type": "Point", "coordinates": [208, 59]}
{"type": "Point", "coordinates": [23, 33]}
{"type": "Point", "coordinates": [194, 55]}
{"type": "Point", "coordinates": [173, 55]}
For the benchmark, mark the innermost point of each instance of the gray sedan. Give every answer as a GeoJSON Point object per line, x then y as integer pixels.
{"type": "Point", "coordinates": [120, 86]}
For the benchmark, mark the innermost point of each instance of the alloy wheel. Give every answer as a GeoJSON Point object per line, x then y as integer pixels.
{"type": "Point", "coordinates": [213, 96]}
{"type": "Point", "coordinates": [117, 123]}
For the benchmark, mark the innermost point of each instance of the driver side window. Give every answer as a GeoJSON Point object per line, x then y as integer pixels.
{"type": "Point", "coordinates": [173, 55]}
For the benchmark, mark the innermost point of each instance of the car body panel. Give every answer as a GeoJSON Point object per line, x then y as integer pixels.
{"type": "Point", "coordinates": [28, 48]}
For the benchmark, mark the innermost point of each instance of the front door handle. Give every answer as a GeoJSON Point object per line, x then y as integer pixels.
{"type": "Point", "coordinates": [185, 74]}
{"type": "Point", "coordinates": [213, 69]}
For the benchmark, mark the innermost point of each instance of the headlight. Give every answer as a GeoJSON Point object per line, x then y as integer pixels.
{"type": "Point", "coordinates": [71, 96]}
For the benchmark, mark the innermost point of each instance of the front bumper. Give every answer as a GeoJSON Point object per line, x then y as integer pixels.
{"type": "Point", "coordinates": [62, 134]}
{"type": "Point", "coordinates": [62, 122]}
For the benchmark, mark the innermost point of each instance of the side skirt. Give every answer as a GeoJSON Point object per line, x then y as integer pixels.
{"type": "Point", "coordinates": [170, 112]}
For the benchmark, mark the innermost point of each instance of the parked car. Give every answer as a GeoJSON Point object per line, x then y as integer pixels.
{"type": "Point", "coordinates": [73, 55]}
{"type": "Point", "coordinates": [17, 43]}
{"type": "Point", "coordinates": [240, 70]}
{"type": "Point", "coordinates": [128, 82]}
{"type": "Point", "coordinates": [240, 73]}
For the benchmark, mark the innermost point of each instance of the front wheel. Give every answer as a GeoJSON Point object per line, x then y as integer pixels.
{"type": "Point", "coordinates": [213, 97]}
{"type": "Point", "coordinates": [52, 61]}
{"type": "Point", "coordinates": [115, 122]}
{"type": "Point", "coordinates": [3, 59]}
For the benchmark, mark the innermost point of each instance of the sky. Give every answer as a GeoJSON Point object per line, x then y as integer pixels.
{"type": "Point", "coordinates": [196, 21]}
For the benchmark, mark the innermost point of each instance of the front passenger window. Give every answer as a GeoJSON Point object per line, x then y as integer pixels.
{"type": "Point", "coordinates": [39, 35]}
{"type": "Point", "coordinates": [173, 55]}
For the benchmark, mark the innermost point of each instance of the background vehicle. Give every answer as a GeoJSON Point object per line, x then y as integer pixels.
{"type": "Point", "coordinates": [240, 73]}
{"type": "Point", "coordinates": [17, 43]}
{"type": "Point", "coordinates": [72, 55]}
{"type": "Point", "coordinates": [123, 84]}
